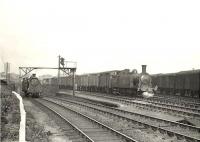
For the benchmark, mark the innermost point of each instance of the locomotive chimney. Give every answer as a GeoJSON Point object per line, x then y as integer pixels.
{"type": "Point", "coordinates": [144, 69]}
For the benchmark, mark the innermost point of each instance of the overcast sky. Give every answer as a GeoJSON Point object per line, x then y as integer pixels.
{"type": "Point", "coordinates": [101, 35]}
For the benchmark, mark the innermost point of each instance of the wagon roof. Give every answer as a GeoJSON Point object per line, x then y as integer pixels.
{"type": "Point", "coordinates": [181, 72]}
{"type": "Point", "coordinates": [190, 71]}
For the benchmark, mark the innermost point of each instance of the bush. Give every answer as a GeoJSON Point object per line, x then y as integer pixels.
{"type": "Point", "coordinates": [10, 114]}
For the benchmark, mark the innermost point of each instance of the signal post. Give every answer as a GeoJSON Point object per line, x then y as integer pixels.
{"type": "Point", "coordinates": [61, 64]}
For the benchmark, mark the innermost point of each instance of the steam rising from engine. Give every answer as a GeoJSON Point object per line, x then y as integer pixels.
{"type": "Point", "coordinates": [147, 94]}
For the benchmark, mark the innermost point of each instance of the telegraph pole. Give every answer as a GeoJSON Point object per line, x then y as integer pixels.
{"type": "Point", "coordinates": [73, 71]}
{"type": "Point", "coordinates": [58, 71]}
{"type": "Point", "coordinates": [7, 71]}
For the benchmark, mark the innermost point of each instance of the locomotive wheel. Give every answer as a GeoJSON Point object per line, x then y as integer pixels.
{"type": "Point", "coordinates": [37, 95]}
{"type": "Point", "coordinates": [26, 95]}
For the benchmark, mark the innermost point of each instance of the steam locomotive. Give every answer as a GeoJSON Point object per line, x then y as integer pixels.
{"type": "Point", "coordinates": [32, 86]}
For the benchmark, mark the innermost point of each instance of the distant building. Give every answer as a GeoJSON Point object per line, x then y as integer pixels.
{"type": "Point", "coordinates": [12, 77]}
{"type": "Point", "coordinates": [2, 75]}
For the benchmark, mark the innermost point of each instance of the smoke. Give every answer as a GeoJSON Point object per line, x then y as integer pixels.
{"type": "Point", "coordinates": [147, 94]}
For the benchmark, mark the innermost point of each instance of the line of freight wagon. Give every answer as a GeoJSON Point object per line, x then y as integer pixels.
{"type": "Point", "coordinates": [184, 83]}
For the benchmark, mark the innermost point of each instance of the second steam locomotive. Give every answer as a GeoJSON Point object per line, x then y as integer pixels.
{"type": "Point", "coordinates": [31, 86]}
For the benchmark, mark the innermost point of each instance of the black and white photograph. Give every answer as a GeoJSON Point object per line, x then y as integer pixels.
{"type": "Point", "coordinates": [100, 70]}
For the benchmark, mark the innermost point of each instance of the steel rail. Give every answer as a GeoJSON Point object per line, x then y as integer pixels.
{"type": "Point", "coordinates": [180, 99]}
{"type": "Point", "coordinates": [172, 105]}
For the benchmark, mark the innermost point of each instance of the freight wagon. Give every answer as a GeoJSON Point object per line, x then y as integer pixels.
{"type": "Point", "coordinates": [105, 79]}
{"type": "Point", "coordinates": [185, 83]}
{"type": "Point", "coordinates": [93, 82]}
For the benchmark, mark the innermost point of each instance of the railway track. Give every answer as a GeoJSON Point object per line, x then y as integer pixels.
{"type": "Point", "coordinates": [179, 130]}
{"type": "Point", "coordinates": [191, 106]}
{"type": "Point", "coordinates": [89, 129]}
{"type": "Point", "coordinates": [178, 111]}
{"type": "Point", "coordinates": [176, 102]}
{"type": "Point", "coordinates": [186, 107]}
{"type": "Point", "coordinates": [179, 99]}
{"type": "Point", "coordinates": [72, 132]}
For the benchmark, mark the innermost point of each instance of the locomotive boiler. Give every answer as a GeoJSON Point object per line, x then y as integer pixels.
{"type": "Point", "coordinates": [145, 87]}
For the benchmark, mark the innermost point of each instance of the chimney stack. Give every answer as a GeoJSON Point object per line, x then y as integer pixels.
{"type": "Point", "coordinates": [144, 69]}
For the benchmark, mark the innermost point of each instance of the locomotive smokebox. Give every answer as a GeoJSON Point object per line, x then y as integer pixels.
{"type": "Point", "coordinates": [144, 67]}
